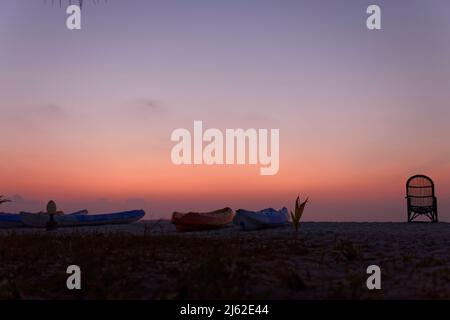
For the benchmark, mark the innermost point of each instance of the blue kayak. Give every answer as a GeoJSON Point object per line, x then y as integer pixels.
{"type": "Point", "coordinates": [10, 220]}
{"type": "Point", "coordinates": [14, 220]}
{"type": "Point", "coordinates": [266, 218]}
{"type": "Point", "coordinates": [124, 217]}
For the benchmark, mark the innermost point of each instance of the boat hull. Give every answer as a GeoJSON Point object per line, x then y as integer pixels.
{"type": "Point", "coordinates": [125, 217]}
{"type": "Point", "coordinates": [14, 220]}
{"type": "Point", "coordinates": [10, 220]}
{"type": "Point", "coordinates": [198, 221]}
{"type": "Point", "coordinates": [264, 219]}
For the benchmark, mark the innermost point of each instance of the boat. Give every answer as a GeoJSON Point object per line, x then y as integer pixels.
{"type": "Point", "coordinates": [14, 220]}
{"type": "Point", "coordinates": [84, 211]}
{"type": "Point", "coordinates": [266, 218]}
{"type": "Point", "coordinates": [10, 220]}
{"type": "Point", "coordinates": [198, 221]}
{"type": "Point", "coordinates": [79, 220]}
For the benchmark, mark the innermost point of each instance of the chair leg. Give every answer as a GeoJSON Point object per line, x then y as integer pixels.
{"type": "Point", "coordinates": [435, 212]}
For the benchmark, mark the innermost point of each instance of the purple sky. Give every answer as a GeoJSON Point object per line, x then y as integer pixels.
{"type": "Point", "coordinates": [87, 115]}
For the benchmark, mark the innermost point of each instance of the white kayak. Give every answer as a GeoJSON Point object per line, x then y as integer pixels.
{"type": "Point", "coordinates": [267, 218]}
{"type": "Point", "coordinates": [40, 220]}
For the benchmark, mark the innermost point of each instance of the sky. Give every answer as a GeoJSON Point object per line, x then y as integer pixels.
{"type": "Point", "coordinates": [86, 116]}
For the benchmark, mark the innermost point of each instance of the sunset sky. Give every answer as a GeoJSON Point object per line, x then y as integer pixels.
{"type": "Point", "coordinates": [86, 116]}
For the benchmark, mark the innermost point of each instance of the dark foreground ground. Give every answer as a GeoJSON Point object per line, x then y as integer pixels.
{"type": "Point", "coordinates": [151, 261]}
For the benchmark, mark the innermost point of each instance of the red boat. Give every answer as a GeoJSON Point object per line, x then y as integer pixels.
{"type": "Point", "coordinates": [197, 221]}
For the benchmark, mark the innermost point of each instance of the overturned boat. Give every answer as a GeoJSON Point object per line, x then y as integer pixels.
{"type": "Point", "coordinates": [10, 220]}
{"type": "Point", "coordinates": [197, 221]}
{"type": "Point", "coordinates": [79, 220]}
{"type": "Point", "coordinates": [266, 218]}
{"type": "Point", "coordinates": [14, 220]}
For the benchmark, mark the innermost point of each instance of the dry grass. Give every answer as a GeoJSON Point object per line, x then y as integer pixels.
{"type": "Point", "coordinates": [251, 265]}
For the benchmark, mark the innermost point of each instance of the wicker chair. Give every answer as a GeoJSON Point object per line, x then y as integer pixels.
{"type": "Point", "coordinates": [420, 198]}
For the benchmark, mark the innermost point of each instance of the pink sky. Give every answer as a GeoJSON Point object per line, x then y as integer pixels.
{"type": "Point", "coordinates": [87, 116]}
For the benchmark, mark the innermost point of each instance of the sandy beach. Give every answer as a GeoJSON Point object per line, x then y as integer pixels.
{"type": "Point", "coordinates": [150, 260]}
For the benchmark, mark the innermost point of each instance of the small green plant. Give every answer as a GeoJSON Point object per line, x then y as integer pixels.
{"type": "Point", "coordinates": [299, 208]}
{"type": "Point", "coordinates": [3, 200]}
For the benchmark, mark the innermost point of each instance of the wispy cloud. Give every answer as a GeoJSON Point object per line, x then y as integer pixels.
{"type": "Point", "coordinates": [38, 113]}
{"type": "Point", "coordinates": [33, 120]}
{"type": "Point", "coordinates": [147, 108]}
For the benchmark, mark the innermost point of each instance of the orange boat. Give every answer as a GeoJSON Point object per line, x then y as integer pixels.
{"type": "Point", "coordinates": [197, 221]}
